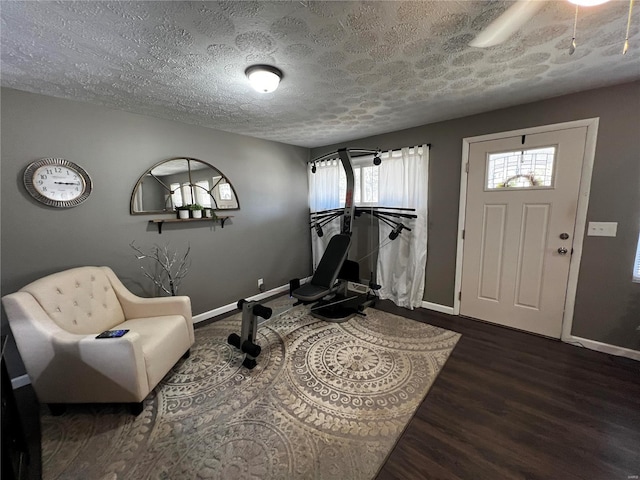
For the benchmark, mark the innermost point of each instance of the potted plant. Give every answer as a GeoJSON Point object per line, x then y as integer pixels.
{"type": "Point", "coordinates": [196, 210]}
{"type": "Point", "coordinates": [208, 212]}
{"type": "Point", "coordinates": [183, 211]}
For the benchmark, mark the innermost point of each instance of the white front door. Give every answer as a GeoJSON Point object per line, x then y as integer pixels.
{"type": "Point", "coordinates": [521, 202]}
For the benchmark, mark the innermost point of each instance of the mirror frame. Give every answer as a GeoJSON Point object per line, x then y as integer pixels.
{"type": "Point", "coordinates": [188, 159]}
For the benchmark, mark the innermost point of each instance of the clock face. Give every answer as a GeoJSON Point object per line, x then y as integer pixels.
{"type": "Point", "coordinates": [57, 182]}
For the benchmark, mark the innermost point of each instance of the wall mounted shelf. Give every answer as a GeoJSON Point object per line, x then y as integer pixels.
{"type": "Point", "coordinates": [161, 221]}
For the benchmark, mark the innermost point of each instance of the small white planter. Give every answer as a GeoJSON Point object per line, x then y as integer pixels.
{"type": "Point", "coordinates": [183, 213]}
{"type": "Point", "coordinates": [197, 213]}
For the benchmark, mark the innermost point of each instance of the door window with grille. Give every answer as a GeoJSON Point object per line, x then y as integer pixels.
{"type": "Point", "coordinates": [533, 168]}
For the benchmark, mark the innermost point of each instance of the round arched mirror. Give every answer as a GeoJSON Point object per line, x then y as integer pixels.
{"type": "Point", "coordinates": [179, 182]}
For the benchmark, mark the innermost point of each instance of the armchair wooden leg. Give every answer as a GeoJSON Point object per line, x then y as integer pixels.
{"type": "Point", "coordinates": [187, 354]}
{"type": "Point", "coordinates": [136, 408]}
{"type": "Point", "coordinates": [57, 409]}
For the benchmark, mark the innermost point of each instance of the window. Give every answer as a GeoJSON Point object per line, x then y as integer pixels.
{"type": "Point", "coordinates": [521, 169]}
{"type": "Point", "coordinates": [636, 265]}
{"type": "Point", "coordinates": [365, 185]}
{"type": "Point", "coordinates": [369, 184]}
{"type": "Point", "coordinates": [225, 191]}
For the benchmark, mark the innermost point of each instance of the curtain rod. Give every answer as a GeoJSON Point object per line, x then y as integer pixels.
{"type": "Point", "coordinates": [334, 155]}
{"type": "Point", "coordinates": [398, 149]}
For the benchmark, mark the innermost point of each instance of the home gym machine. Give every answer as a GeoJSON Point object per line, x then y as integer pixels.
{"type": "Point", "coordinates": [329, 284]}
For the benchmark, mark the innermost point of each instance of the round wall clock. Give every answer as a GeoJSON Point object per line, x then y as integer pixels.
{"type": "Point", "coordinates": [57, 182]}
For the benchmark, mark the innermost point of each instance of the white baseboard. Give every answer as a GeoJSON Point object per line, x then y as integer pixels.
{"type": "Point", "coordinates": [436, 307]}
{"type": "Point", "coordinates": [603, 347]}
{"type": "Point", "coordinates": [20, 381]}
{"type": "Point", "coordinates": [585, 342]}
{"type": "Point", "coordinates": [233, 306]}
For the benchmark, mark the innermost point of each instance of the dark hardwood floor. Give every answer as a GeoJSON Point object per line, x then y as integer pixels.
{"type": "Point", "coordinates": [509, 405]}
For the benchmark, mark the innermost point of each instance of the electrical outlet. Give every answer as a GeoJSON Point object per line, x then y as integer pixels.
{"type": "Point", "coordinates": [261, 284]}
{"type": "Point", "coordinates": [602, 229]}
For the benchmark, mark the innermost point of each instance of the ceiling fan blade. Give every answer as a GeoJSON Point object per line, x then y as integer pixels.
{"type": "Point", "coordinates": [507, 24]}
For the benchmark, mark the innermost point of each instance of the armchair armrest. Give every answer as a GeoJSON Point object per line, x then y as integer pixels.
{"type": "Point", "coordinates": [137, 307]}
{"type": "Point", "coordinates": [113, 366]}
{"type": "Point", "coordinates": [86, 368]}
{"type": "Point", "coordinates": [134, 306]}
{"type": "Point", "coordinates": [32, 330]}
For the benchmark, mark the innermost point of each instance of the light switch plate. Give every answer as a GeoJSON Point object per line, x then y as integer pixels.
{"type": "Point", "coordinates": [602, 229]}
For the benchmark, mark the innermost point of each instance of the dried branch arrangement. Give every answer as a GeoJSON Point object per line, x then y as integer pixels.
{"type": "Point", "coordinates": [169, 269]}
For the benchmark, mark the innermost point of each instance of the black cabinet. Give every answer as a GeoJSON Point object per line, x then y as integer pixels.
{"type": "Point", "coordinates": [21, 450]}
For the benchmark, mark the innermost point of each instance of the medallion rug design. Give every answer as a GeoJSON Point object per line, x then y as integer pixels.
{"type": "Point", "coordinates": [326, 401]}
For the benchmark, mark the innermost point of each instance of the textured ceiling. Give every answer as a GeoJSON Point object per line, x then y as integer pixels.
{"type": "Point", "coordinates": [351, 69]}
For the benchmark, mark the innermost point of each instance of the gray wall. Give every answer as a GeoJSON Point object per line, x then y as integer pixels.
{"type": "Point", "coordinates": [270, 179]}
{"type": "Point", "coordinates": [607, 302]}
{"type": "Point", "coordinates": [267, 238]}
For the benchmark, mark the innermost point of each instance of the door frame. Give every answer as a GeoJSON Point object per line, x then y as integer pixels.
{"type": "Point", "coordinates": [581, 213]}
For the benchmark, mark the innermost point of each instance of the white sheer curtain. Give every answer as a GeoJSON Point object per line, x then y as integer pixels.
{"type": "Point", "coordinates": [403, 182]}
{"type": "Point", "coordinates": [324, 194]}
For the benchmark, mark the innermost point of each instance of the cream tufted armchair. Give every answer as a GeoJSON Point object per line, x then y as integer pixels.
{"type": "Point", "coordinates": [55, 321]}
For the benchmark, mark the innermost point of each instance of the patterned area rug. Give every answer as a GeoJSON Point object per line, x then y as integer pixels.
{"type": "Point", "coordinates": [326, 401]}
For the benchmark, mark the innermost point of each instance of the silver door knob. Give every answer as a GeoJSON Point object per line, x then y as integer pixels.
{"type": "Point", "coordinates": [562, 251]}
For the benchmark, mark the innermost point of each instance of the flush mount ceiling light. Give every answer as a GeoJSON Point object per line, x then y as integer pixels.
{"type": "Point", "coordinates": [263, 78]}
